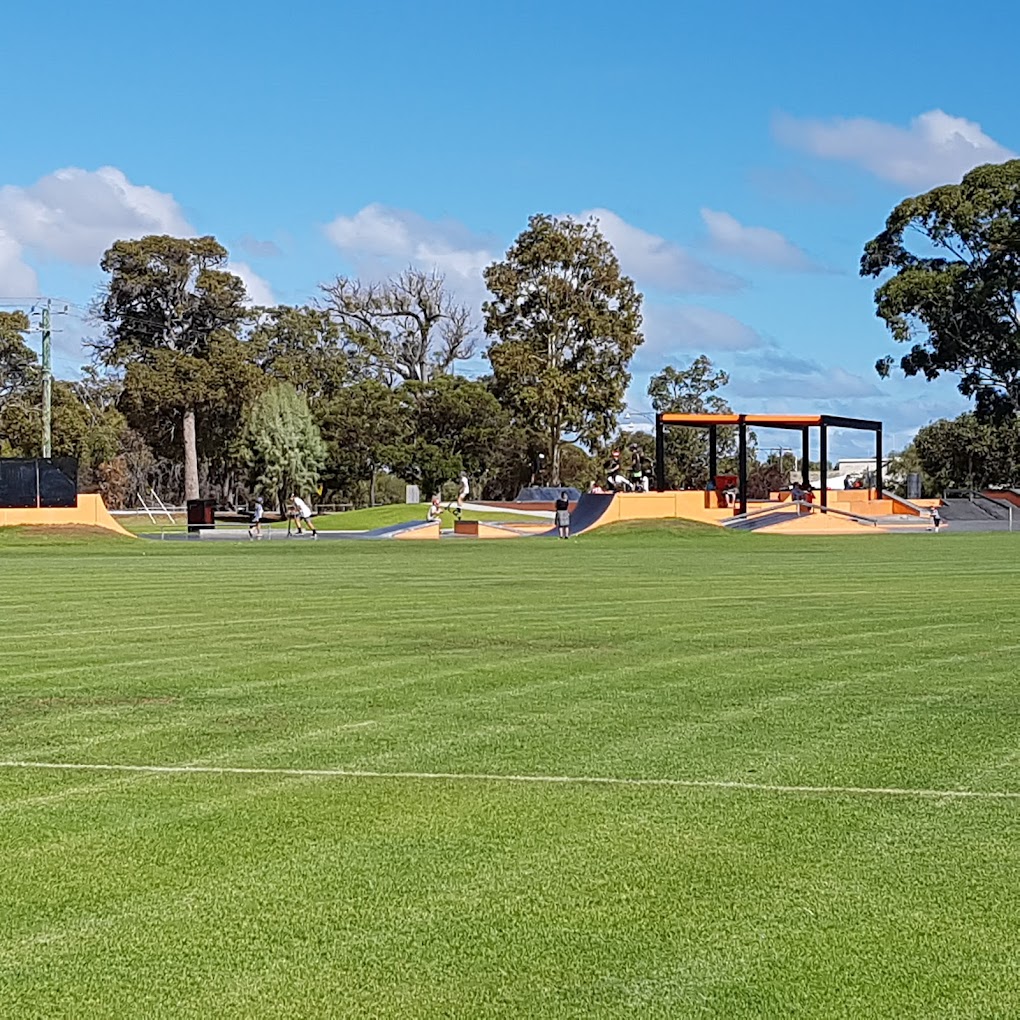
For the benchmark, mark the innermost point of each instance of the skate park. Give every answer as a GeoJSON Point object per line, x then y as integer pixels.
{"type": "Point", "coordinates": [727, 500]}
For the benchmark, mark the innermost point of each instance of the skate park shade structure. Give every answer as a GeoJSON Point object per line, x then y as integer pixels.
{"type": "Point", "coordinates": [802, 423]}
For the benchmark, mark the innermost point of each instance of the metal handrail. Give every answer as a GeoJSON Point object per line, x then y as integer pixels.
{"type": "Point", "coordinates": [921, 510]}
{"type": "Point", "coordinates": [800, 502]}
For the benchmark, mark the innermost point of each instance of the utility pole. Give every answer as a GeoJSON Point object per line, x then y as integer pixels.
{"type": "Point", "coordinates": [47, 383]}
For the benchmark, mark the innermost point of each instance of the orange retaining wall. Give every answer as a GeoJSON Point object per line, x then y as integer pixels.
{"type": "Point", "coordinates": [90, 512]}
{"type": "Point", "coordinates": [479, 529]}
{"type": "Point", "coordinates": [1003, 497]}
{"type": "Point", "coordinates": [698, 505]}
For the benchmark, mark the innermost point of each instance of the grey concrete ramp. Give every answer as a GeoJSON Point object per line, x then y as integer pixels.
{"type": "Point", "coordinates": [589, 511]}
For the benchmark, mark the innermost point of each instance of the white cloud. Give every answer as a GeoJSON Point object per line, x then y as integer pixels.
{"type": "Point", "coordinates": [17, 279]}
{"type": "Point", "coordinates": [379, 239]}
{"type": "Point", "coordinates": [74, 215]}
{"type": "Point", "coordinates": [936, 148]}
{"type": "Point", "coordinates": [395, 237]}
{"type": "Point", "coordinates": [754, 244]}
{"type": "Point", "coordinates": [259, 291]}
{"type": "Point", "coordinates": [692, 328]}
{"type": "Point", "coordinates": [659, 264]}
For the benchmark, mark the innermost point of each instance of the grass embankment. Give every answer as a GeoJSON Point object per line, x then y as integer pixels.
{"type": "Point", "coordinates": [667, 653]}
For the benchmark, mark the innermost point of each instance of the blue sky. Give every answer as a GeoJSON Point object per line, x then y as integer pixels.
{"type": "Point", "coordinates": [737, 155]}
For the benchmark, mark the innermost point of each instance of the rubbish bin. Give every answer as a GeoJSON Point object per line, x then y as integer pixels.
{"type": "Point", "coordinates": [201, 514]}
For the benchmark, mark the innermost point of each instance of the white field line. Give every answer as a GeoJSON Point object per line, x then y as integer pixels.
{"type": "Point", "coordinates": [486, 777]}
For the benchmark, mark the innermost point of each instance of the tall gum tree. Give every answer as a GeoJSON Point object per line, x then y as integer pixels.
{"type": "Point", "coordinates": [953, 292]}
{"type": "Point", "coordinates": [166, 302]}
{"type": "Point", "coordinates": [565, 323]}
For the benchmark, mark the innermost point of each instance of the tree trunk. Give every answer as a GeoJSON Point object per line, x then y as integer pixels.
{"type": "Point", "coordinates": [371, 488]}
{"type": "Point", "coordinates": [554, 459]}
{"type": "Point", "coordinates": [190, 456]}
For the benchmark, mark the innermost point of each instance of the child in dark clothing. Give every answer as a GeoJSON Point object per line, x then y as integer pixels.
{"type": "Point", "coordinates": [563, 515]}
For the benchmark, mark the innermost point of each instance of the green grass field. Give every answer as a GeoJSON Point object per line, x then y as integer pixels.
{"type": "Point", "coordinates": [851, 666]}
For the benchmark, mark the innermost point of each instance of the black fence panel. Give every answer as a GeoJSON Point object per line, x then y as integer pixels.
{"type": "Point", "coordinates": [29, 483]}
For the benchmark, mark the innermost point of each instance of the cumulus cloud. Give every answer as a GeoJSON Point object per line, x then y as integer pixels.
{"type": "Point", "coordinates": [393, 237]}
{"type": "Point", "coordinates": [259, 291]}
{"type": "Point", "coordinates": [73, 215]}
{"type": "Point", "coordinates": [935, 148]}
{"type": "Point", "coordinates": [657, 263]}
{"type": "Point", "coordinates": [379, 239]}
{"type": "Point", "coordinates": [17, 279]}
{"type": "Point", "coordinates": [760, 245]}
{"type": "Point", "coordinates": [693, 329]}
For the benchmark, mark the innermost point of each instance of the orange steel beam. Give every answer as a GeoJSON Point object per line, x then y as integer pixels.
{"type": "Point", "coordinates": [792, 420]}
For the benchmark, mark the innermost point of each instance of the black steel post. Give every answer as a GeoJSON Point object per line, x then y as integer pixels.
{"type": "Point", "coordinates": [823, 456]}
{"type": "Point", "coordinates": [805, 462]}
{"type": "Point", "coordinates": [660, 454]}
{"type": "Point", "coordinates": [742, 464]}
{"type": "Point", "coordinates": [878, 464]}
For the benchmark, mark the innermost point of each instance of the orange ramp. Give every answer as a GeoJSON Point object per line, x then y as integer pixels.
{"type": "Point", "coordinates": [90, 512]}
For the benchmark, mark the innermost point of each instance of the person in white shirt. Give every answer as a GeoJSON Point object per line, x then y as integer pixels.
{"type": "Point", "coordinates": [462, 493]}
{"type": "Point", "coordinates": [255, 528]}
{"type": "Point", "coordinates": [302, 514]}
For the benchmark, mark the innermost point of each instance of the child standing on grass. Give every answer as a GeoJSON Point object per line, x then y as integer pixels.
{"type": "Point", "coordinates": [563, 515]}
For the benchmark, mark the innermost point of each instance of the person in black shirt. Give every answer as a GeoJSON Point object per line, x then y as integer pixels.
{"type": "Point", "coordinates": [614, 475]}
{"type": "Point", "coordinates": [563, 515]}
{"type": "Point", "coordinates": [636, 470]}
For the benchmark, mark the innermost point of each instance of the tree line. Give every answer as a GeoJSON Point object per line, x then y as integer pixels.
{"type": "Point", "coordinates": [192, 392]}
